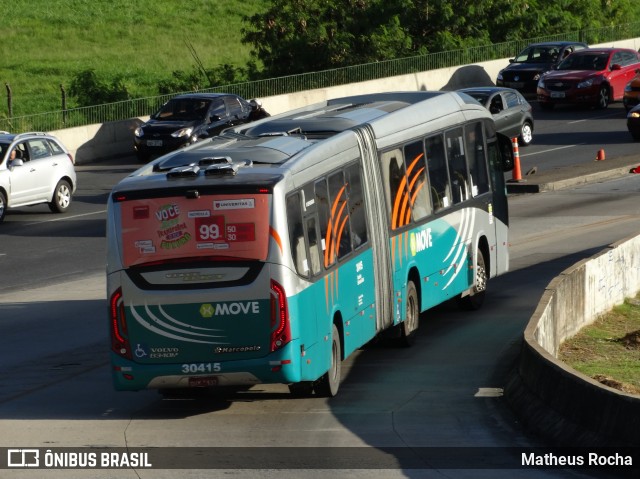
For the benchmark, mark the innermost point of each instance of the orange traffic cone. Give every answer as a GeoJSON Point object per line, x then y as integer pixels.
{"type": "Point", "coordinates": [600, 156]}
{"type": "Point", "coordinates": [517, 174]}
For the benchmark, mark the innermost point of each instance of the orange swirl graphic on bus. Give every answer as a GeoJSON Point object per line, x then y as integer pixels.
{"type": "Point", "coordinates": [405, 196]}
{"type": "Point", "coordinates": [337, 222]}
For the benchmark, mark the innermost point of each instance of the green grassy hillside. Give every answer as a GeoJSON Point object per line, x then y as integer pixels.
{"type": "Point", "coordinates": [44, 43]}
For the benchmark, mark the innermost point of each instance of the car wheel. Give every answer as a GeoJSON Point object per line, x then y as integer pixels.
{"type": "Point", "coordinates": [3, 206]}
{"type": "Point", "coordinates": [603, 97]}
{"type": "Point", "coordinates": [526, 135]}
{"type": "Point", "coordinates": [61, 197]}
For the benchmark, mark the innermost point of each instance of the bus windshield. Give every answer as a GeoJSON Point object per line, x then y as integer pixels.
{"type": "Point", "coordinates": [229, 226]}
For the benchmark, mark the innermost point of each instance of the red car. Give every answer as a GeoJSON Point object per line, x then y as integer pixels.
{"type": "Point", "coordinates": [594, 77]}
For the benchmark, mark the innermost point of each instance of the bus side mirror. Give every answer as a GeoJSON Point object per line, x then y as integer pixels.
{"type": "Point", "coordinates": [506, 153]}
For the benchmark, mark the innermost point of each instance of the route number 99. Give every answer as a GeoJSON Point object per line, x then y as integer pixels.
{"type": "Point", "coordinates": [210, 229]}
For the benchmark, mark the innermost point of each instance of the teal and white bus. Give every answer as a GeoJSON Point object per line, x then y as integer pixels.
{"type": "Point", "coordinates": [272, 252]}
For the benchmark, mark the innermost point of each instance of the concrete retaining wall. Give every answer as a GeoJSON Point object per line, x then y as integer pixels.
{"type": "Point", "coordinates": [554, 399]}
{"type": "Point", "coordinates": [96, 142]}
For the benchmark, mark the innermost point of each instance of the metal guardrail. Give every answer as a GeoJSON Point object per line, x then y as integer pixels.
{"type": "Point", "coordinates": [57, 120]}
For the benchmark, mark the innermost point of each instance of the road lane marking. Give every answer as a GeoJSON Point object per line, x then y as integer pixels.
{"type": "Point", "coordinates": [594, 118]}
{"type": "Point", "coordinates": [65, 218]}
{"type": "Point", "coordinates": [552, 149]}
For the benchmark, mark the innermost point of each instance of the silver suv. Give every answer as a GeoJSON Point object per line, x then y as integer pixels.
{"type": "Point", "coordinates": [35, 168]}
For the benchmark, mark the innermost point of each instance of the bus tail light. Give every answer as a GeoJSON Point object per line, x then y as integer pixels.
{"type": "Point", "coordinates": [280, 328]}
{"type": "Point", "coordinates": [118, 321]}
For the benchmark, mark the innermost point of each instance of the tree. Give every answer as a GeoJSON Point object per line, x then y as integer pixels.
{"type": "Point", "coordinates": [298, 36]}
{"type": "Point", "coordinates": [89, 90]}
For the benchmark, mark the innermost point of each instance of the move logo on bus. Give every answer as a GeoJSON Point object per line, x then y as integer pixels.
{"type": "Point", "coordinates": [172, 233]}
{"type": "Point", "coordinates": [209, 310]}
{"type": "Point", "coordinates": [420, 241]}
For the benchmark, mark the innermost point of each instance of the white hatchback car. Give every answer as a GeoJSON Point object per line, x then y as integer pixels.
{"type": "Point", "coordinates": [35, 168]}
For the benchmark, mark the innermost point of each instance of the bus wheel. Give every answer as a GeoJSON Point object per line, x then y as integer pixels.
{"type": "Point", "coordinates": [301, 389]}
{"type": "Point", "coordinates": [410, 324]}
{"type": "Point", "coordinates": [327, 385]}
{"type": "Point", "coordinates": [475, 300]}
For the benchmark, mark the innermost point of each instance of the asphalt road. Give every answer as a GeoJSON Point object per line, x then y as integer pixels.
{"type": "Point", "coordinates": [55, 388]}
{"type": "Point", "coordinates": [570, 135]}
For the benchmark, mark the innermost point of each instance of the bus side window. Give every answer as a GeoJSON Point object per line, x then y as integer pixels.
{"type": "Point", "coordinates": [415, 164]}
{"type": "Point", "coordinates": [314, 249]}
{"type": "Point", "coordinates": [395, 188]}
{"type": "Point", "coordinates": [477, 160]}
{"type": "Point", "coordinates": [438, 175]}
{"type": "Point", "coordinates": [324, 215]}
{"type": "Point", "coordinates": [457, 166]}
{"type": "Point", "coordinates": [296, 234]}
{"type": "Point", "coordinates": [340, 236]}
{"type": "Point", "coordinates": [356, 206]}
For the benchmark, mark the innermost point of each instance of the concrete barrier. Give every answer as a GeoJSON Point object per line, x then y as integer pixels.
{"type": "Point", "coordinates": [553, 399]}
{"type": "Point", "coordinates": [110, 140]}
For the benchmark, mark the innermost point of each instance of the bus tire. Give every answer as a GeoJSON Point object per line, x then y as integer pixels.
{"type": "Point", "coordinates": [328, 384]}
{"type": "Point", "coordinates": [301, 389]}
{"type": "Point", "coordinates": [409, 326]}
{"type": "Point", "coordinates": [475, 299]}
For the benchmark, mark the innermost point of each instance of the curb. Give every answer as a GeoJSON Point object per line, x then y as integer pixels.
{"type": "Point", "coordinates": [567, 177]}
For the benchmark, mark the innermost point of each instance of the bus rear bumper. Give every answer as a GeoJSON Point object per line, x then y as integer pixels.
{"type": "Point", "coordinates": [279, 367]}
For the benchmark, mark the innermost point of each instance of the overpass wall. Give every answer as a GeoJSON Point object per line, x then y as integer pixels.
{"type": "Point", "coordinates": [110, 140]}
{"type": "Point", "coordinates": [551, 397]}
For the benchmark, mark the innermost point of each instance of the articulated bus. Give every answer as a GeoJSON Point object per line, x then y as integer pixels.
{"type": "Point", "coordinates": [272, 252]}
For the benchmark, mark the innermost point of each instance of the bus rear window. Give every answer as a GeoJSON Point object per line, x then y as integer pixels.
{"type": "Point", "coordinates": [226, 226]}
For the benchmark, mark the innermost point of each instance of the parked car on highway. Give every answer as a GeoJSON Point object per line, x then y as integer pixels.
{"type": "Point", "coordinates": [35, 168]}
{"type": "Point", "coordinates": [633, 122]}
{"type": "Point", "coordinates": [511, 112]}
{"type": "Point", "coordinates": [632, 93]}
{"type": "Point", "coordinates": [524, 71]}
{"type": "Point", "coordinates": [593, 77]}
{"type": "Point", "coordinates": [185, 119]}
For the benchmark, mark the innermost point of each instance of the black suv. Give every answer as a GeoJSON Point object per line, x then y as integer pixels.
{"type": "Point", "coordinates": [187, 118]}
{"type": "Point", "coordinates": [525, 69]}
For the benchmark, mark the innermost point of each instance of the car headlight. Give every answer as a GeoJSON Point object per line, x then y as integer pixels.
{"type": "Point", "coordinates": [628, 87]}
{"type": "Point", "coordinates": [139, 132]}
{"type": "Point", "coordinates": [541, 83]}
{"type": "Point", "coordinates": [500, 76]}
{"type": "Point", "coordinates": [634, 114]}
{"type": "Point", "coordinates": [585, 84]}
{"type": "Point", "coordinates": [182, 132]}
{"type": "Point", "coordinates": [536, 77]}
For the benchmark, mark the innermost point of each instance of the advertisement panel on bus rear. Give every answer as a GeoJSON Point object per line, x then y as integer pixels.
{"type": "Point", "coordinates": [157, 229]}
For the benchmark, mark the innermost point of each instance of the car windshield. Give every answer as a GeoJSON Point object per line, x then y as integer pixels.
{"type": "Point", "coordinates": [585, 61]}
{"type": "Point", "coordinates": [538, 54]}
{"type": "Point", "coordinates": [183, 110]}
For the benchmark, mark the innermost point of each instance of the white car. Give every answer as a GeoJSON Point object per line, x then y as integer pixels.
{"type": "Point", "coordinates": [35, 168]}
